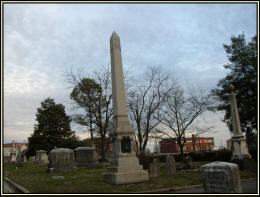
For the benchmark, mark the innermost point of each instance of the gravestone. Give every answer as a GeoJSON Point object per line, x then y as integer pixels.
{"type": "Point", "coordinates": [41, 157]}
{"type": "Point", "coordinates": [25, 158]}
{"type": "Point", "coordinates": [12, 158]}
{"type": "Point", "coordinates": [86, 156]}
{"type": "Point", "coordinates": [61, 160]}
{"type": "Point", "coordinates": [155, 168]}
{"type": "Point", "coordinates": [124, 166]}
{"type": "Point", "coordinates": [221, 177]}
{"type": "Point", "coordinates": [36, 157]}
{"type": "Point", "coordinates": [19, 158]}
{"type": "Point", "coordinates": [188, 163]}
{"type": "Point", "coordinates": [170, 165]}
{"type": "Point", "coordinates": [31, 159]}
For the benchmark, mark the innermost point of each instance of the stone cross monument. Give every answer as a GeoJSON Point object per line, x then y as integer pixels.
{"type": "Point", "coordinates": [239, 146]}
{"type": "Point", "coordinates": [124, 167]}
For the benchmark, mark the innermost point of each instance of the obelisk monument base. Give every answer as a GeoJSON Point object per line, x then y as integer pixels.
{"type": "Point", "coordinates": [124, 167]}
{"type": "Point", "coordinates": [239, 146]}
{"type": "Point", "coordinates": [240, 154]}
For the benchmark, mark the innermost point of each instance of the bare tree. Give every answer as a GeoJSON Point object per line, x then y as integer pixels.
{"type": "Point", "coordinates": [144, 100]}
{"type": "Point", "coordinates": [180, 110]}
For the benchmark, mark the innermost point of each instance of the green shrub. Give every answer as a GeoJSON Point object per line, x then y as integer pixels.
{"type": "Point", "coordinates": [219, 155]}
{"type": "Point", "coordinates": [222, 155]}
{"type": "Point", "coordinates": [253, 153]}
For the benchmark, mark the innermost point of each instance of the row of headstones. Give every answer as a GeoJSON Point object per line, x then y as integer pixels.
{"type": "Point", "coordinates": [66, 160]}
{"type": "Point", "coordinates": [61, 159]}
{"type": "Point", "coordinates": [171, 167]}
{"type": "Point", "coordinates": [217, 177]}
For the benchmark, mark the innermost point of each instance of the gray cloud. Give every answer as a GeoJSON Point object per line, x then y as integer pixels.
{"type": "Point", "coordinates": [42, 41]}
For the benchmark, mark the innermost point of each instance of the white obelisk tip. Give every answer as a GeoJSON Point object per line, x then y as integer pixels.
{"type": "Point", "coordinates": [114, 35]}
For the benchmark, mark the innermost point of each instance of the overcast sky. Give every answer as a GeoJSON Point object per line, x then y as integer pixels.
{"type": "Point", "coordinates": [44, 41]}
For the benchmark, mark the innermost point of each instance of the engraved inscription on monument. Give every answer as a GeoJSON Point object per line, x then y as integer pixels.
{"type": "Point", "coordinates": [221, 177]}
{"type": "Point", "coordinates": [215, 181]}
{"type": "Point", "coordinates": [126, 145]}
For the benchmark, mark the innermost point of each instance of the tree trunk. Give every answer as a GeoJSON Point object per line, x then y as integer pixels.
{"type": "Point", "coordinates": [181, 150]}
{"type": "Point", "coordinates": [102, 148]}
{"type": "Point", "coordinates": [91, 132]}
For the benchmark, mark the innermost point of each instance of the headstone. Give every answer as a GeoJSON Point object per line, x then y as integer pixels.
{"type": "Point", "coordinates": [61, 160]}
{"type": "Point", "coordinates": [188, 163]}
{"type": "Point", "coordinates": [42, 157]}
{"type": "Point", "coordinates": [19, 158]}
{"type": "Point", "coordinates": [170, 165]}
{"type": "Point", "coordinates": [12, 158]}
{"type": "Point", "coordinates": [86, 156]}
{"type": "Point", "coordinates": [221, 177]}
{"type": "Point", "coordinates": [124, 167]}
{"type": "Point", "coordinates": [36, 157]}
{"type": "Point", "coordinates": [240, 154]}
{"type": "Point", "coordinates": [155, 168]}
{"type": "Point", "coordinates": [31, 159]}
{"type": "Point", "coordinates": [25, 158]}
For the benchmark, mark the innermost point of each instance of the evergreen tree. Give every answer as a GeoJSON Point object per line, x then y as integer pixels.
{"type": "Point", "coordinates": [86, 94]}
{"type": "Point", "coordinates": [243, 76]}
{"type": "Point", "coordinates": [52, 127]}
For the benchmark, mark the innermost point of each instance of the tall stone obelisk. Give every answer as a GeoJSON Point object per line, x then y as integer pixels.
{"type": "Point", "coordinates": [124, 167]}
{"type": "Point", "coordinates": [240, 154]}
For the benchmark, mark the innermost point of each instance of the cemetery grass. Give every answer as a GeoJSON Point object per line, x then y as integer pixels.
{"type": "Point", "coordinates": [87, 181]}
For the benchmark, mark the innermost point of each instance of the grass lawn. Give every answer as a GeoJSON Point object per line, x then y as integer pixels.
{"type": "Point", "coordinates": [84, 180]}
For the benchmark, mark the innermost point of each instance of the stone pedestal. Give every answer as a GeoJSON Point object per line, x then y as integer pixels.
{"type": "Point", "coordinates": [240, 154]}
{"type": "Point", "coordinates": [239, 148]}
{"type": "Point", "coordinates": [124, 167]}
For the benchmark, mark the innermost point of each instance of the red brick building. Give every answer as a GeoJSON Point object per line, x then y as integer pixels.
{"type": "Point", "coordinates": [192, 144]}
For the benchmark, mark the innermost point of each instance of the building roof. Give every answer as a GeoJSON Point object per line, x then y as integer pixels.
{"type": "Point", "coordinates": [187, 138]}
{"type": "Point", "coordinates": [16, 144]}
